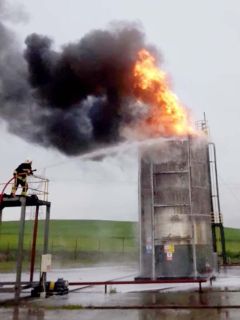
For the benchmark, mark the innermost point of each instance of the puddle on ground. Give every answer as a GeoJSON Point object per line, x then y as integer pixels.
{"type": "Point", "coordinates": [41, 314]}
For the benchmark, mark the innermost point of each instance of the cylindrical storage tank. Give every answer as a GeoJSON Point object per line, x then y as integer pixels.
{"type": "Point", "coordinates": [175, 210]}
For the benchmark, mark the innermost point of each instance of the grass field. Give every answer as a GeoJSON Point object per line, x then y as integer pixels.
{"type": "Point", "coordinates": [70, 238]}
{"type": "Point", "coordinates": [87, 235]}
{"type": "Point", "coordinates": [232, 237]}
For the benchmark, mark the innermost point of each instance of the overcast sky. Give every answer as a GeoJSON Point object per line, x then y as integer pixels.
{"type": "Point", "coordinates": [200, 45]}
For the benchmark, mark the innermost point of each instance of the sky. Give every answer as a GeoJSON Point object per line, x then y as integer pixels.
{"type": "Point", "coordinates": [200, 46]}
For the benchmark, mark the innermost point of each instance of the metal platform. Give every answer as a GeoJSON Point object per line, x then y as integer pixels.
{"type": "Point", "coordinates": [8, 201]}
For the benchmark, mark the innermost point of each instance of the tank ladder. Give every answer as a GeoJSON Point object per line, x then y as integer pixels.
{"type": "Point", "coordinates": [216, 215]}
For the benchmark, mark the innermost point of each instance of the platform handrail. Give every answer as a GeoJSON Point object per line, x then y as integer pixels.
{"type": "Point", "coordinates": [43, 192]}
{"type": "Point", "coordinates": [4, 188]}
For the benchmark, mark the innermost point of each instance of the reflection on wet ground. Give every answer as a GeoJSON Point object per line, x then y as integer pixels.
{"type": "Point", "coordinates": [40, 314]}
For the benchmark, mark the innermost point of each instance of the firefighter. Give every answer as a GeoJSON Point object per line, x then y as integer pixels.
{"type": "Point", "coordinates": [20, 177]}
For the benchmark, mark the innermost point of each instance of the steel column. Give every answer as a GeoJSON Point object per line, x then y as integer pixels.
{"type": "Point", "coordinates": [153, 225]}
{"type": "Point", "coordinates": [191, 215]}
{"type": "Point", "coordinates": [34, 241]}
{"type": "Point", "coordinates": [224, 255]}
{"type": "Point", "coordinates": [217, 185]}
{"type": "Point", "coordinates": [140, 213]}
{"type": "Point", "coordinates": [46, 230]}
{"type": "Point", "coordinates": [45, 243]}
{"type": "Point", "coordinates": [220, 222]}
{"type": "Point", "coordinates": [214, 237]}
{"type": "Point", "coordinates": [20, 248]}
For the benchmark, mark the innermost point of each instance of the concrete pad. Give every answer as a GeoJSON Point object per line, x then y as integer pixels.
{"type": "Point", "coordinates": [135, 302]}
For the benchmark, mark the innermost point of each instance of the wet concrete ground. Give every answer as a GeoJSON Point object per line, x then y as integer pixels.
{"type": "Point", "coordinates": [29, 314]}
{"type": "Point", "coordinates": [135, 302]}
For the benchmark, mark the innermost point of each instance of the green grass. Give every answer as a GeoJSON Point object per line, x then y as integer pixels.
{"type": "Point", "coordinates": [71, 238]}
{"type": "Point", "coordinates": [232, 234]}
{"type": "Point", "coordinates": [88, 241]}
{"type": "Point", "coordinates": [232, 237]}
{"type": "Point", "coordinates": [73, 235]}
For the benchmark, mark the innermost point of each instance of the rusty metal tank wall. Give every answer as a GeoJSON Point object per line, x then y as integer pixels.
{"type": "Point", "coordinates": [175, 209]}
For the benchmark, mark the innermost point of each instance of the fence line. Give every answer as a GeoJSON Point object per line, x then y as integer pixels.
{"type": "Point", "coordinates": [73, 247]}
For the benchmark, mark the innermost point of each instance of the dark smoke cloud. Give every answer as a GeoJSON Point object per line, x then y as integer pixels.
{"type": "Point", "coordinates": [75, 99]}
{"type": "Point", "coordinates": [15, 96]}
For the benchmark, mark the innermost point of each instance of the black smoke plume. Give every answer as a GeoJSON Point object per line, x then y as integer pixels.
{"type": "Point", "coordinates": [74, 99]}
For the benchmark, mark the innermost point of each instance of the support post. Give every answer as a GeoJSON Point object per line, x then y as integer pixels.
{"type": "Point", "coordinates": [153, 225]}
{"type": "Point", "coordinates": [34, 241]}
{"type": "Point", "coordinates": [45, 243]}
{"type": "Point", "coordinates": [191, 213]}
{"type": "Point", "coordinates": [1, 216]}
{"type": "Point", "coordinates": [214, 237]}
{"type": "Point", "coordinates": [20, 249]}
{"type": "Point", "coordinates": [46, 229]}
{"type": "Point", "coordinates": [219, 224]}
{"type": "Point", "coordinates": [224, 255]}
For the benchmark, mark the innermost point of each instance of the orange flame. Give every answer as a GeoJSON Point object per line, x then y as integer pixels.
{"type": "Point", "coordinates": [167, 117]}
